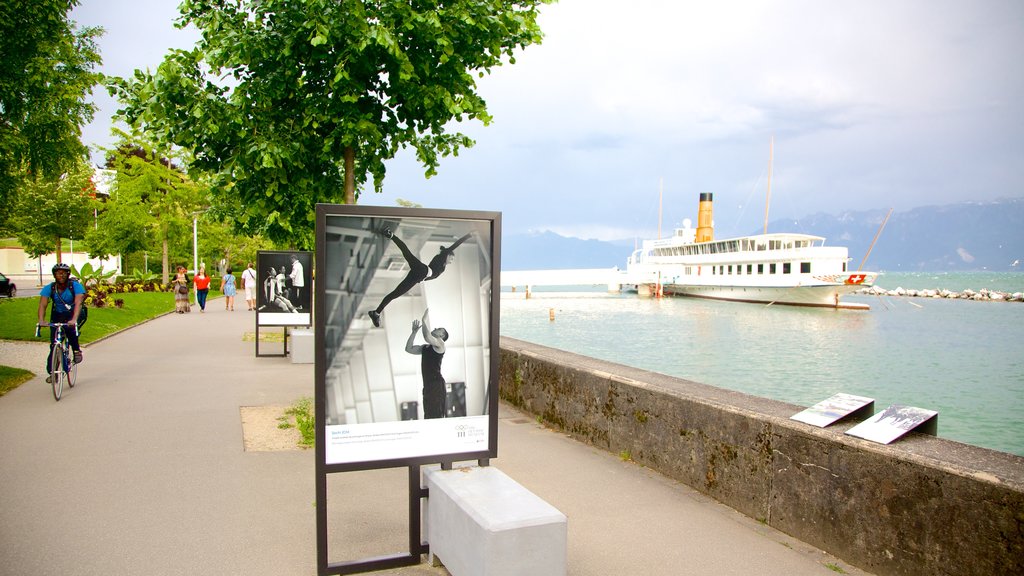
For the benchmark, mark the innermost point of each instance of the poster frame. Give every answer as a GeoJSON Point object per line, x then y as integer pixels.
{"type": "Point", "coordinates": [265, 318]}
{"type": "Point", "coordinates": [367, 223]}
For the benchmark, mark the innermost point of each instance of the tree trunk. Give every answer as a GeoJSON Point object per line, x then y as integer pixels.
{"type": "Point", "coordinates": [57, 252]}
{"type": "Point", "coordinates": [350, 175]}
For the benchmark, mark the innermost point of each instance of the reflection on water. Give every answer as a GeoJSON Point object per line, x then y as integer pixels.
{"type": "Point", "coordinates": [960, 358]}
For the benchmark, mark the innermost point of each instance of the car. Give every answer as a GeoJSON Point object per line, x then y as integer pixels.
{"type": "Point", "coordinates": [7, 287]}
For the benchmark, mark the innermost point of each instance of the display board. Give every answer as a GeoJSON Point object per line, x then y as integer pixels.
{"type": "Point", "coordinates": [836, 408]}
{"type": "Point", "coordinates": [408, 335]}
{"type": "Point", "coordinates": [406, 320]}
{"type": "Point", "coordinates": [284, 288]}
{"type": "Point", "coordinates": [895, 421]}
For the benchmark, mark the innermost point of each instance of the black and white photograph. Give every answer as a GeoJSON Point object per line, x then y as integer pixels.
{"type": "Point", "coordinates": [284, 286]}
{"type": "Point", "coordinates": [894, 422]}
{"type": "Point", "coordinates": [834, 409]}
{"type": "Point", "coordinates": [409, 332]}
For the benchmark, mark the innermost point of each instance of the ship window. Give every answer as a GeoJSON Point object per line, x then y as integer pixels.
{"type": "Point", "coordinates": [844, 266]}
{"type": "Point", "coordinates": [787, 268]}
{"type": "Point", "coordinates": [760, 268]}
{"type": "Point", "coordinates": [771, 268]}
{"type": "Point", "coordinates": [750, 268]}
{"type": "Point", "coordinates": [721, 269]}
{"type": "Point", "coordinates": [805, 267]}
{"type": "Point", "coordinates": [689, 271]}
{"type": "Point", "coordinates": [730, 269]}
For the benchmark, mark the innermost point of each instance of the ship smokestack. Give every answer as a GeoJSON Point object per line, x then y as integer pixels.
{"type": "Point", "coordinates": [705, 227]}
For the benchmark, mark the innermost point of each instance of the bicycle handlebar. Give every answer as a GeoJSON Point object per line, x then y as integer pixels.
{"type": "Point", "coordinates": [54, 325]}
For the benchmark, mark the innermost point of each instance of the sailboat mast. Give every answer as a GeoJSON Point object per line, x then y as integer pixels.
{"type": "Point", "coordinates": [768, 201]}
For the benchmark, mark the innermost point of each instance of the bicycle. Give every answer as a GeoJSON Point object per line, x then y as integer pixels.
{"type": "Point", "coordinates": [62, 364]}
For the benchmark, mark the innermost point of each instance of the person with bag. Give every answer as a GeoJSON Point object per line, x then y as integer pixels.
{"type": "Point", "coordinates": [180, 287]}
{"type": "Point", "coordinates": [68, 297]}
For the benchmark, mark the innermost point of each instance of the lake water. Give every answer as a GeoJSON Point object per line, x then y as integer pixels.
{"type": "Point", "coordinates": [964, 359]}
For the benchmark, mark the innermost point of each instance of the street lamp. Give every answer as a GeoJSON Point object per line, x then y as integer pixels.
{"type": "Point", "coordinates": [195, 242]}
{"type": "Point", "coordinates": [195, 248]}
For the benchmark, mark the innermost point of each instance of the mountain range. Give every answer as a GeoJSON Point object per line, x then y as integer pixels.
{"type": "Point", "coordinates": [956, 237]}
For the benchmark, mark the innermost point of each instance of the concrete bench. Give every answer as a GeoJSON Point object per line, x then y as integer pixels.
{"type": "Point", "coordinates": [303, 348]}
{"type": "Point", "coordinates": [480, 522]}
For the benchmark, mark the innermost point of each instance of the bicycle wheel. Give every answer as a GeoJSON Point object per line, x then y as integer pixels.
{"type": "Point", "coordinates": [57, 374]}
{"type": "Point", "coordinates": [72, 370]}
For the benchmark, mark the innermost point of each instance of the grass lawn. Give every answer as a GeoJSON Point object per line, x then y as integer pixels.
{"type": "Point", "coordinates": [18, 322]}
{"type": "Point", "coordinates": [18, 315]}
{"type": "Point", "coordinates": [11, 378]}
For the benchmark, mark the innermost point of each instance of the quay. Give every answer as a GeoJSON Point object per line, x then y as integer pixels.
{"type": "Point", "coordinates": [142, 468]}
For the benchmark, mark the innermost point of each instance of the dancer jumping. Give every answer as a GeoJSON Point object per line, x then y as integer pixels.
{"type": "Point", "coordinates": [418, 271]}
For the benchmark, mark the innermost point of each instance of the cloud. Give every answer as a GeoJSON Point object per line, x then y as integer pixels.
{"type": "Point", "coordinates": [872, 104]}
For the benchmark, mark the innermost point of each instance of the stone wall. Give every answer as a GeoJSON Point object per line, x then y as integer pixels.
{"type": "Point", "coordinates": [922, 505]}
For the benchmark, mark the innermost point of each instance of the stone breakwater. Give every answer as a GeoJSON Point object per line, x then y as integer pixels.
{"type": "Point", "coordinates": [983, 294]}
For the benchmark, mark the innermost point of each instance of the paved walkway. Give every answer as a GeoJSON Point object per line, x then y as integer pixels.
{"type": "Point", "coordinates": [140, 469]}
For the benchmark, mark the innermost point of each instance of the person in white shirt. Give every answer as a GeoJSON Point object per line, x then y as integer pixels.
{"type": "Point", "coordinates": [249, 283]}
{"type": "Point", "coordinates": [297, 282]}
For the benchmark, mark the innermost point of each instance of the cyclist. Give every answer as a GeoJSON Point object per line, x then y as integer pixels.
{"type": "Point", "coordinates": [68, 296]}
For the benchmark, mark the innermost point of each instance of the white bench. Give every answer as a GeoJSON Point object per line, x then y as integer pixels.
{"type": "Point", "coordinates": [480, 522]}
{"type": "Point", "coordinates": [303, 348]}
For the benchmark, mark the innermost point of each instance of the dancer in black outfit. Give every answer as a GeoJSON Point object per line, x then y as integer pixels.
{"type": "Point", "coordinates": [430, 364]}
{"type": "Point", "coordinates": [418, 271]}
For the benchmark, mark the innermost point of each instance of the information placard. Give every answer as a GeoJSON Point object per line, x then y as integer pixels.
{"type": "Point", "coordinates": [894, 422]}
{"type": "Point", "coordinates": [836, 408]}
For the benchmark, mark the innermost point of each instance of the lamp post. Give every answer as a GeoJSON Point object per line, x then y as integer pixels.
{"type": "Point", "coordinates": [195, 250]}
{"type": "Point", "coordinates": [195, 242]}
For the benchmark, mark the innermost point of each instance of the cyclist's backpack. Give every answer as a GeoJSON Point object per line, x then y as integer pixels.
{"type": "Point", "coordinates": [83, 314]}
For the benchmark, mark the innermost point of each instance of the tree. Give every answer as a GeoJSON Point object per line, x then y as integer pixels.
{"type": "Point", "coordinates": [49, 209]}
{"type": "Point", "coordinates": [152, 201]}
{"type": "Point", "coordinates": [46, 73]}
{"type": "Point", "coordinates": [295, 103]}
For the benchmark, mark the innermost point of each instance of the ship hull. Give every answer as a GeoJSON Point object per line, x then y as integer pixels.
{"type": "Point", "coordinates": [821, 296]}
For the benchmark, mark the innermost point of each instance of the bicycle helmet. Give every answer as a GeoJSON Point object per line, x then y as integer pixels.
{"type": "Point", "coordinates": [59, 266]}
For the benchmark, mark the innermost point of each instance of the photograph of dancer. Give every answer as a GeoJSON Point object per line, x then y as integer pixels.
{"type": "Point", "coordinates": [418, 271]}
{"type": "Point", "coordinates": [431, 353]}
{"type": "Point", "coordinates": [276, 292]}
{"type": "Point", "coordinates": [282, 294]}
{"type": "Point", "coordinates": [422, 381]}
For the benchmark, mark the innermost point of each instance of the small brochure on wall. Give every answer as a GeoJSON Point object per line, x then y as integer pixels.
{"type": "Point", "coordinates": [836, 408]}
{"type": "Point", "coordinates": [895, 421]}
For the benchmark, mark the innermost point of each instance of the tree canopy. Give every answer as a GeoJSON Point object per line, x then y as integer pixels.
{"type": "Point", "coordinates": [152, 203]}
{"type": "Point", "coordinates": [294, 103]}
{"type": "Point", "coordinates": [49, 209]}
{"type": "Point", "coordinates": [46, 73]}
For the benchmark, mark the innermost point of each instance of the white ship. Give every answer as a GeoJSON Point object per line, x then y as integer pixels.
{"type": "Point", "coordinates": [778, 268]}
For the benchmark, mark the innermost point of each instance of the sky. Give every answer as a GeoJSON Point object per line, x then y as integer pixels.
{"type": "Point", "coordinates": [630, 109]}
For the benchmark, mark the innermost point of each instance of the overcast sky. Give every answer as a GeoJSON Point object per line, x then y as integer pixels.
{"type": "Point", "coordinates": [873, 104]}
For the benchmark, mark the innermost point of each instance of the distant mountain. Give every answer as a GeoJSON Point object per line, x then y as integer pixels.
{"type": "Point", "coordinates": [550, 251]}
{"type": "Point", "coordinates": [955, 237]}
